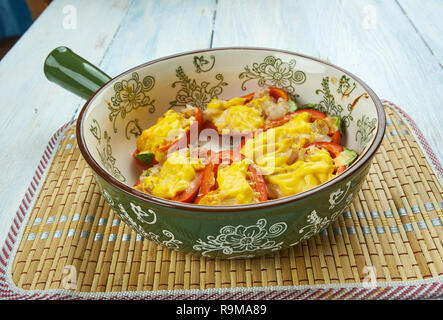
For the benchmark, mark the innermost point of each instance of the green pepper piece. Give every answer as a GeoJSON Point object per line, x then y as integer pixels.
{"type": "Point", "coordinates": [145, 157]}
{"type": "Point", "coordinates": [292, 105]}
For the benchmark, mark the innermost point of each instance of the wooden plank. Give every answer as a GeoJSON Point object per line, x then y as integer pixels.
{"type": "Point", "coordinates": [426, 18]}
{"type": "Point", "coordinates": [372, 39]}
{"type": "Point", "coordinates": [155, 29]}
{"type": "Point", "coordinates": [32, 107]}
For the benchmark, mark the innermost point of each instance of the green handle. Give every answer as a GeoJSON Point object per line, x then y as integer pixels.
{"type": "Point", "coordinates": [72, 72]}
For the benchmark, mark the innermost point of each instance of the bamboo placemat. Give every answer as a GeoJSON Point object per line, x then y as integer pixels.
{"type": "Point", "coordinates": [71, 243]}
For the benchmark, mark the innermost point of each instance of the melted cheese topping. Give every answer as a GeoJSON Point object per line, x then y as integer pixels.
{"type": "Point", "coordinates": [271, 150]}
{"type": "Point", "coordinates": [232, 182]}
{"type": "Point", "coordinates": [316, 169]}
{"type": "Point", "coordinates": [176, 174]}
{"type": "Point", "coordinates": [233, 115]}
{"type": "Point", "coordinates": [167, 129]}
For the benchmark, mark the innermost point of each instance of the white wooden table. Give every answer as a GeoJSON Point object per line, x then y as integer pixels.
{"type": "Point", "coordinates": [394, 46]}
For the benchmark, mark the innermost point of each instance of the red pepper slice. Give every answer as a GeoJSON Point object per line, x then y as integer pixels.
{"type": "Point", "coordinates": [243, 141]}
{"type": "Point", "coordinates": [208, 181]}
{"type": "Point", "coordinates": [137, 183]}
{"type": "Point", "coordinates": [277, 93]}
{"type": "Point", "coordinates": [214, 159]}
{"type": "Point", "coordinates": [189, 194]}
{"type": "Point", "coordinates": [198, 115]}
{"type": "Point", "coordinates": [274, 92]}
{"type": "Point", "coordinates": [340, 169]}
{"type": "Point", "coordinates": [169, 145]}
{"type": "Point", "coordinates": [333, 148]}
{"type": "Point", "coordinates": [209, 125]}
{"type": "Point", "coordinates": [228, 156]}
{"type": "Point", "coordinates": [248, 97]}
{"type": "Point", "coordinates": [258, 183]}
{"type": "Point", "coordinates": [277, 122]}
{"type": "Point", "coordinates": [209, 173]}
{"type": "Point", "coordinates": [336, 136]}
{"type": "Point", "coordinates": [315, 115]}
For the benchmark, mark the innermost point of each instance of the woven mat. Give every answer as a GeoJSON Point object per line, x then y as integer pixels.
{"type": "Point", "coordinates": [66, 242]}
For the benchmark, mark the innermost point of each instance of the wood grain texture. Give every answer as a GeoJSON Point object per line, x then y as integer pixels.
{"type": "Point", "coordinates": [426, 18]}
{"type": "Point", "coordinates": [153, 29]}
{"type": "Point", "coordinates": [372, 39]}
{"type": "Point", "coordinates": [32, 107]}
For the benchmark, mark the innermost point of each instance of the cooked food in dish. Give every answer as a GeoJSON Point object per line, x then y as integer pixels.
{"type": "Point", "coordinates": [177, 178]}
{"type": "Point", "coordinates": [298, 153]}
{"type": "Point", "coordinates": [170, 130]}
{"type": "Point", "coordinates": [286, 151]}
{"type": "Point", "coordinates": [230, 179]}
{"type": "Point", "coordinates": [248, 113]}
